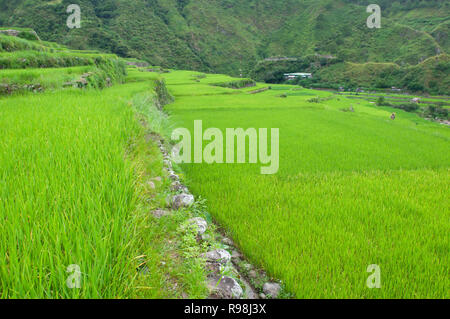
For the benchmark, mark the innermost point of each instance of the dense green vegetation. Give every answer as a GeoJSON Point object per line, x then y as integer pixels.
{"type": "Point", "coordinates": [231, 36]}
{"type": "Point", "coordinates": [36, 65]}
{"type": "Point", "coordinates": [430, 76]}
{"type": "Point", "coordinates": [432, 109]}
{"type": "Point", "coordinates": [354, 189]}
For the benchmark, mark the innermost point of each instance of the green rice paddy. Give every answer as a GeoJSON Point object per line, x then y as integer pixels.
{"type": "Point", "coordinates": [66, 193]}
{"type": "Point", "coordinates": [353, 189]}
{"type": "Point", "coordinates": [74, 166]}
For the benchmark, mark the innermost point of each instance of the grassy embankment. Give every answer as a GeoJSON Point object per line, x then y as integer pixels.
{"type": "Point", "coordinates": [27, 65]}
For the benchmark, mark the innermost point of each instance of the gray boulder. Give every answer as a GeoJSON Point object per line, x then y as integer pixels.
{"type": "Point", "coordinates": [168, 163]}
{"type": "Point", "coordinates": [218, 256]}
{"type": "Point", "coordinates": [226, 288]}
{"type": "Point", "coordinates": [253, 274]}
{"type": "Point", "coordinates": [227, 241]}
{"type": "Point", "coordinates": [271, 289]}
{"type": "Point", "coordinates": [200, 224]}
{"type": "Point", "coordinates": [177, 186]}
{"type": "Point", "coordinates": [236, 256]}
{"type": "Point", "coordinates": [182, 200]}
{"type": "Point", "coordinates": [206, 237]}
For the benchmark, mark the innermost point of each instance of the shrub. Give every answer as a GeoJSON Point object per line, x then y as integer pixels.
{"type": "Point", "coordinates": [381, 101]}
{"type": "Point", "coordinates": [314, 100]}
{"type": "Point", "coordinates": [408, 107]}
{"type": "Point", "coordinates": [436, 111]}
{"type": "Point", "coordinates": [239, 84]}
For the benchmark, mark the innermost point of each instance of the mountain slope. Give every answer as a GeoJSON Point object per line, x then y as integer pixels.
{"type": "Point", "coordinates": [230, 36]}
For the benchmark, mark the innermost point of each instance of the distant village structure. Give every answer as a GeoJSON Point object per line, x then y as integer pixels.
{"type": "Point", "coordinates": [292, 76]}
{"type": "Point", "coordinates": [283, 58]}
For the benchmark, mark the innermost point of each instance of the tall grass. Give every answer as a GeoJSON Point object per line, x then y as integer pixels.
{"type": "Point", "coordinates": [66, 193]}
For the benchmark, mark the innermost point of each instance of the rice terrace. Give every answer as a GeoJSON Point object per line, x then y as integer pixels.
{"type": "Point", "coordinates": [230, 155]}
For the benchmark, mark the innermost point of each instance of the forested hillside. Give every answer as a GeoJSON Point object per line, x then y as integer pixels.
{"type": "Point", "coordinates": [231, 36]}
